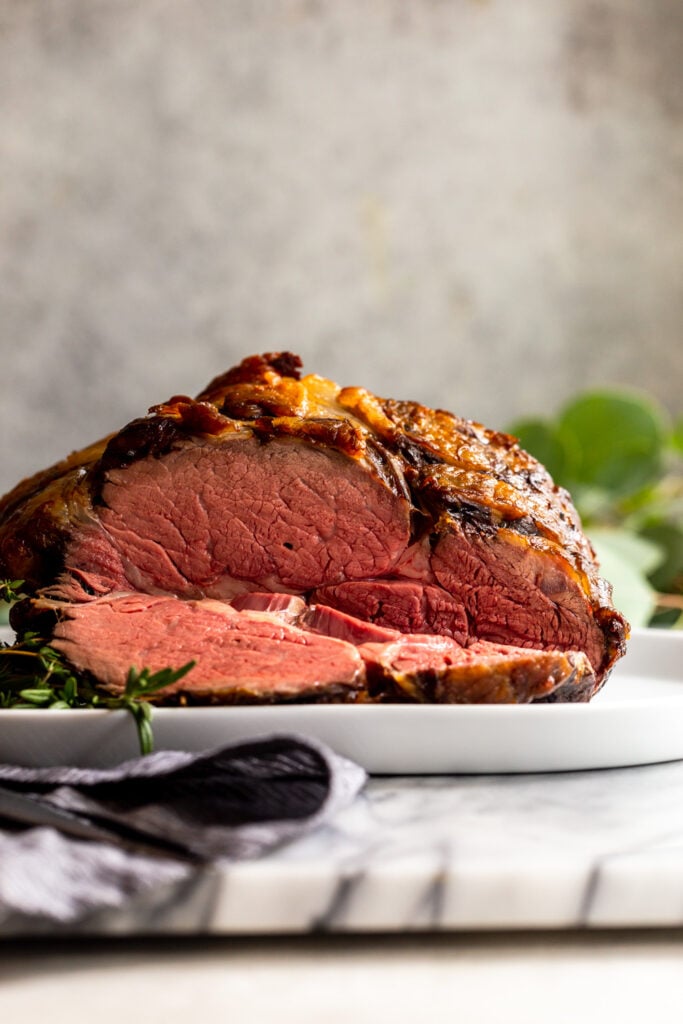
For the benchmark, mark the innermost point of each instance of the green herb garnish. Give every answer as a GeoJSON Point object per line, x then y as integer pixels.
{"type": "Point", "coordinates": [138, 687]}
{"type": "Point", "coordinates": [35, 675]}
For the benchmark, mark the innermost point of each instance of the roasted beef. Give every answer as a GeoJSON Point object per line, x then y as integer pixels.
{"type": "Point", "coordinates": [304, 541]}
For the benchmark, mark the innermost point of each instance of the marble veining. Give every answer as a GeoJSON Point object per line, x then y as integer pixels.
{"type": "Point", "coordinates": [566, 850]}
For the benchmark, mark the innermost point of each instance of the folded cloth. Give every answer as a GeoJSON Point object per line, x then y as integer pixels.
{"type": "Point", "coordinates": [74, 841]}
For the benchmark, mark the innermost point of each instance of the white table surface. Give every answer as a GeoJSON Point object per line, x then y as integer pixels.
{"type": "Point", "coordinates": [523, 978]}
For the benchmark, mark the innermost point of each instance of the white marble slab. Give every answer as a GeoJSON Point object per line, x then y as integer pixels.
{"type": "Point", "coordinates": [568, 850]}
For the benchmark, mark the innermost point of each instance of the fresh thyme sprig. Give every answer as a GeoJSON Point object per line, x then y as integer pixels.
{"type": "Point", "coordinates": [139, 685]}
{"type": "Point", "coordinates": [35, 675]}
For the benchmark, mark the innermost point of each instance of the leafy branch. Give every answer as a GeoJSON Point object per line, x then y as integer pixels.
{"type": "Point", "coordinates": [621, 457]}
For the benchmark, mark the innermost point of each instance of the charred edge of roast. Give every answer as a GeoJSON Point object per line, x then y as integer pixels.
{"type": "Point", "coordinates": [425, 437]}
{"type": "Point", "coordinates": [447, 506]}
{"type": "Point", "coordinates": [285, 363]}
{"type": "Point", "coordinates": [388, 686]}
{"type": "Point", "coordinates": [29, 615]}
{"type": "Point", "coordinates": [506, 683]}
{"type": "Point", "coordinates": [577, 688]}
{"type": "Point", "coordinates": [433, 499]}
{"type": "Point", "coordinates": [525, 526]}
{"type": "Point", "coordinates": [255, 401]}
{"type": "Point", "coordinates": [52, 480]}
{"type": "Point", "coordinates": [385, 469]}
{"type": "Point", "coordinates": [430, 497]}
{"type": "Point", "coordinates": [615, 631]}
{"type": "Point", "coordinates": [36, 550]}
{"type": "Point", "coordinates": [149, 436]}
{"type": "Point", "coordinates": [193, 417]}
{"type": "Point", "coordinates": [332, 694]}
{"type": "Point", "coordinates": [420, 457]}
{"type": "Point", "coordinates": [323, 432]}
{"type": "Point", "coordinates": [417, 454]}
{"type": "Point", "coordinates": [254, 370]}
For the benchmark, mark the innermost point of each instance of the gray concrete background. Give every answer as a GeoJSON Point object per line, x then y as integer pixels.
{"type": "Point", "coordinates": [475, 204]}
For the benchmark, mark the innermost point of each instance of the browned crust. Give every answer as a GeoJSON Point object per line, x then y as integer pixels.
{"type": "Point", "coordinates": [38, 515]}
{"type": "Point", "coordinates": [537, 676]}
{"type": "Point", "coordinates": [217, 697]}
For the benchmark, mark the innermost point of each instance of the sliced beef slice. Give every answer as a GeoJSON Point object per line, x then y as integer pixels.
{"type": "Point", "coordinates": [407, 605]}
{"type": "Point", "coordinates": [253, 657]}
{"type": "Point", "coordinates": [437, 670]}
{"type": "Point", "coordinates": [332, 622]}
{"type": "Point", "coordinates": [286, 606]}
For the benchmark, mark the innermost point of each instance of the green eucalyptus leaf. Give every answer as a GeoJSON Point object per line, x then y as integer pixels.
{"type": "Point", "coordinates": [543, 440]}
{"type": "Point", "coordinates": [677, 436]}
{"type": "Point", "coordinates": [594, 504]}
{"type": "Point", "coordinates": [667, 618]}
{"type": "Point", "coordinates": [668, 575]}
{"type": "Point", "coordinates": [625, 559]}
{"type": "Point", "coordinates": [620, 438]}
{"type": "Point", "coordinates": [643, 553]}
{"type": "Point", "coordinates": [672, 620]}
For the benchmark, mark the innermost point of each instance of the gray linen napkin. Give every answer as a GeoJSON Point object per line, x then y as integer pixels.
{"type": "Point", "coordinates": [155, 820]}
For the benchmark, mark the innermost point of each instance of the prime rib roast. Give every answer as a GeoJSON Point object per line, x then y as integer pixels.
{"type": "Point", "coordinates": [302, 541]}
